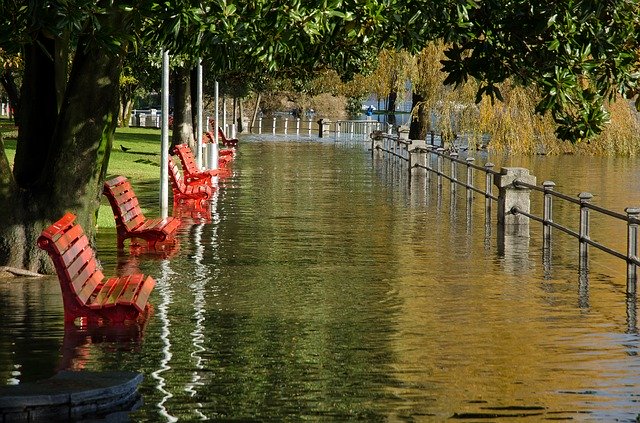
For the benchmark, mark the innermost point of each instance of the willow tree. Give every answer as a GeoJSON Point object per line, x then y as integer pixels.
{"type": "Point", "coordinates": [579, 54]}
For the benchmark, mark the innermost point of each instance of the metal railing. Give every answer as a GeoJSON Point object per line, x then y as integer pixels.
{"type": "Point", "coordinates": [434, 164]}
{"type": "Point", "coordinates": [631, 219]}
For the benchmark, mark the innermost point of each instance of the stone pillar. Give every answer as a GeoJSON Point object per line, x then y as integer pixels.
{"type": "Point", "coordinates": [512, 196]}
{"type": "Point", "coordinates": [417, 156]}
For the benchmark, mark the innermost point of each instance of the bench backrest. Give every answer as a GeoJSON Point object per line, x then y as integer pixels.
{"type": "Point", "coordinates": [73, 258]}
{"type": "Point", "coordinates": [177, 183]}
{"type": "Point", "coordinates": [124, 203]}
{"type": "Point", "coordinates": [186, 158]}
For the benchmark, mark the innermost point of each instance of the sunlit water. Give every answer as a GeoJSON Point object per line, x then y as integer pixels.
{"type": "Point", "coordinates": [327, 287]}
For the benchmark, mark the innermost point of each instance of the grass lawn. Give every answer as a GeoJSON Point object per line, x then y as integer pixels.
{"type": "Point", "coordinates": [140, 163]}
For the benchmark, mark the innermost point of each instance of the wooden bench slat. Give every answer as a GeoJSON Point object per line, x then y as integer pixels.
{"type": "Point", "coordinates": [74, 250]}
{"type": "Point", "coordinates": [103, 293]}
{"type": "Point", "coordinates": [144, 292]}
{"type": "Point", "coordinates": [128, 295]}
{"type": "Point", "coordinates": [181, 190]}
{"type": "Point", "coordinates": [118, 286]}
{"type": "Point", "coordinates": [86, 283]}
{"type": "Point", "coordinates": [85, 258]}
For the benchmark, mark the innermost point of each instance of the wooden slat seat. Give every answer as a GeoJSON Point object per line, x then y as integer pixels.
{"type": "Point", "coordinates": [130, 221]}
{"type": "Point", "coordinates": [183, 192]}
{"type": "Point", "coordinates": [85, 292]}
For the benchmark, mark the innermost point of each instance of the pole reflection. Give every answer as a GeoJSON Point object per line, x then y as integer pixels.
{"type": "Point", "coordinates": [166, 294]}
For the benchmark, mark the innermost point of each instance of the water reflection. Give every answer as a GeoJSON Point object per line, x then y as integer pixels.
{"type": "Point", "coordinates": [324, 286]}
{"type": "Point", "coordinates": [166, 294]}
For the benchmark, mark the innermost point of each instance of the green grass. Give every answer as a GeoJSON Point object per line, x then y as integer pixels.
{"type": "Point", "coordinates": [140, 163]}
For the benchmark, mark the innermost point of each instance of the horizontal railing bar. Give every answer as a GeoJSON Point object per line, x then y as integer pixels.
{"type": "Point", "coordinates": [591, 206]}
{"type": "Point", "coordinates": [577, 236]}
{"type": "Point", "coordinates": [607, 212]}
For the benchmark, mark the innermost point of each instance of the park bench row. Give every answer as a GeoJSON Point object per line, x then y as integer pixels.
{"type": "Point", "coordinates": [86, 293]}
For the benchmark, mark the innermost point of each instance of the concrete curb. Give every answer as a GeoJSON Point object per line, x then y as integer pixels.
{"type": "Point", "coordinates": [70, 395]}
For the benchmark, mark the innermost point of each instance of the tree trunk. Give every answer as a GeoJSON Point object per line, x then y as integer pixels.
{"type": "Point", "coordinates": [234, 115]}
{"type": "Point", "coordinates": [391, 107]}
{"type": "Point", "coordinates": [193, 96]}
{"type": "Point", "coordinates": [38, 116]}
{"type": "Point", "coordinates": [182, 112]}
{"type": "Point", "coordinates": [419, 118]}
{"type": "Point", "coordinates": [61, 158]}
{"type": "Point", "coordinates": [255, 112]}
{"type": "Point", "coordinates": [240, 117]}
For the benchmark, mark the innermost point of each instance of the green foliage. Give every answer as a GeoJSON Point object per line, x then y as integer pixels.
{"type": "Point", "coordinates": [354, 106]}
{"type": "Point", "coordinates": [579, 53]}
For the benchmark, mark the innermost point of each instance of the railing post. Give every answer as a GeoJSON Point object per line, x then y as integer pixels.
{"type": "Point", "coordinates": [513, 198]}
{"type": "Point", "coordinates": [632, 248]}
{"type": "Point", "coordinates": [584, 197]}
{"type": "Point", "coordinates": [547, 212]}
{"type": "Point", "coordinates": [260, 125]}
{"type": "Point", "coordinates": [417, 157]}
{"type": "Point", "coordinates": [454, 172]}
{"type": "Point", "coordinates": [488, 190]}
{"type": "Point", "coordinates": [297, 126]}
{"type": "Point", "coordinates": [286, 125]}
{"type": "Point", "coordinates": [273, 129]}
{"type": "Point", "coordinates": [427, 162]}
{"type": "Point", "coordinates": [470, 161]}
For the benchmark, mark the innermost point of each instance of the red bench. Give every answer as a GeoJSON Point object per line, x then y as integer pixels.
{"type": "Point", "coordinates": [224, 155]}
{"type": "Point", "coordinates": [223, 152]}
{"type": "Point", "coordinates": [85, 292]}
{"type": "Point", "coordinates": [192, 174]}
{"type": "Point", "coordinates": [183, 192]}
{"type": "Point", "coordinates": [227, 142]}
{"type": "Point", "coordinates": [130, 221]}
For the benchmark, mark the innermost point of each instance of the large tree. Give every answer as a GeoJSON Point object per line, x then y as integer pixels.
{"type": "Point", "coordinates": [68, 115]}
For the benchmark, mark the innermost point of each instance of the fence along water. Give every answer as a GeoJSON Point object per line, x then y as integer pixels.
{"type": "Point", "coordinates": [515, 186]}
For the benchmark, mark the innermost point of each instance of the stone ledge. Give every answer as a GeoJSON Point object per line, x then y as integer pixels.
{"type": "Point", "coordinates": [70, 395]}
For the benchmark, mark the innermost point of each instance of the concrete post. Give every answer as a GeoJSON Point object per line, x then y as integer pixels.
{"type": "Point", "coordinates": [511, 196]}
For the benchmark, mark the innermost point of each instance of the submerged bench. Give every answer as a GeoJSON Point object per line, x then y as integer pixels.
{"type": "Point", "coordinates": [192, 174]}
{"type": "Point", "coordinates": [85, 292]}
{"type": "Point", "coordinates": [227, 142]}
{"type": "Point", "coordinates": [182, 191]}
{"type": "Point", "coordinates": [224, 155]}
{"type": "Point", "coordinates": [130, 221]}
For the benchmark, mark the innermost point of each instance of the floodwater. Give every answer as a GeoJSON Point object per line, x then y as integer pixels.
{"type": "Point", "coordinates": [330, 286]}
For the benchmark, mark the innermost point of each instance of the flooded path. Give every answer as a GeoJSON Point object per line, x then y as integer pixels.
{"type": "Point", "coordinates": [325, 287]}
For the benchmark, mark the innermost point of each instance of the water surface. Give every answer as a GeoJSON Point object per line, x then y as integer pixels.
{"type": "Point", "coordinates": [326, 286]}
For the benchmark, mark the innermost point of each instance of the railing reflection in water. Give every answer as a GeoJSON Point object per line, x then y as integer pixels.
{"type": "Point", "coordinates": [513, 211]}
